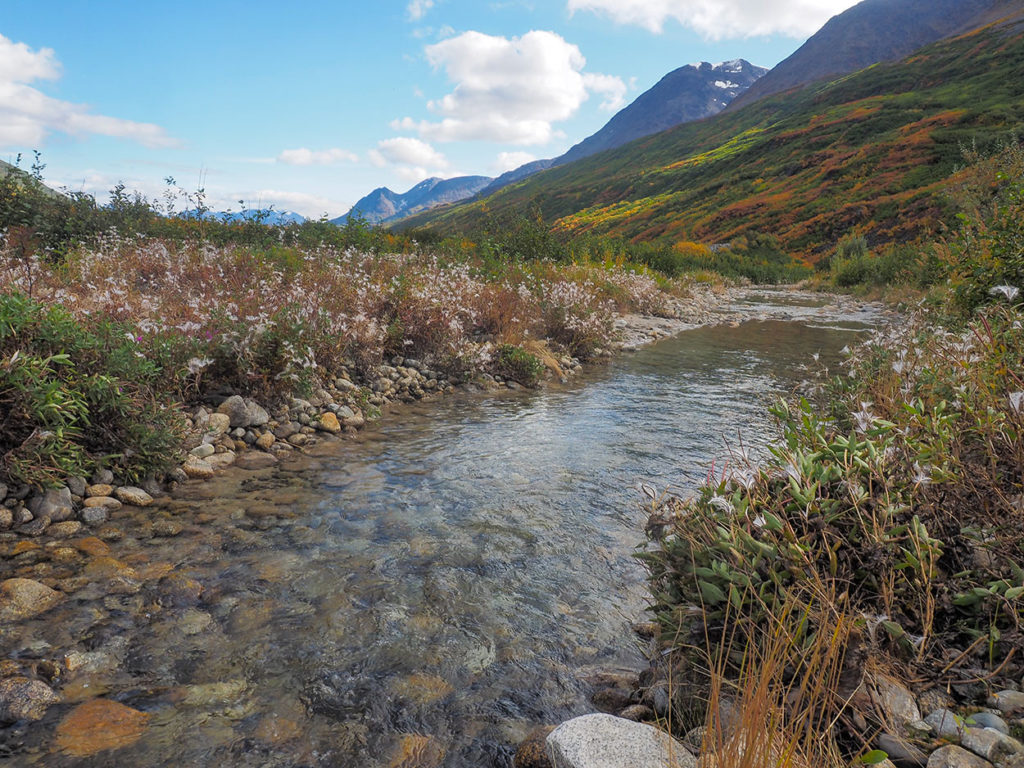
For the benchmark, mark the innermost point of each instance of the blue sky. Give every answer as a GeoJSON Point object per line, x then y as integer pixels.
{"type": "Point", "coordinates": [308, 106]}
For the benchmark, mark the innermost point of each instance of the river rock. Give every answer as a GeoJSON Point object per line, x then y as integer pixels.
{"type": "Point", "coordinates": [103, 477]}
{"type": "Point", "coordinates": [218, 424]}
{"type": "Point", "coordinates": [604, 741]}
{"type": "Point", "coordinates": [244, 413]}
{"type": "Point", "coordinates": [264, 441]}
{"type": "Point", "coordinates": [54, 505]}
{"type": "Point", "coordinates": [985, 720]}
{"type": "Point", "coordinates": [6, 519]}
{"type": "Point", "coordinates": [64, 530]}
{"type": "Point", "coordinates": [24, 598]}
{"type": "Point", "coordinates": [946, 724]}
{"type": "Point", "coordinates": [329, 423]}
{"type": "Point", "coordinates": [1008, 702]}
{"type": "Point", "coordinates": [222, 460]}
{"type": "Point", "coordinates": [952, 756]}
{"type": "Point", "coordinates": [896, 706]}
{"type": "Point", "coordinates": [991, 744]}
{"type": "Point", "coordinates": [97, 515]}
{"type": "Point", "coordinates": [107, 502]}
{"type": "Point", "coordinates": [98, 726]}
{"type": "Point", "coordinates": [137, 497]}
{"type": "Point", "coordinates": [24, 699]}
{"type": "Point", "coordinates": [99, 489]}
{"type": "Point", "coordinates": [203, 451]}
{"type": "Point", "coordinates": [253, 460]}
{"type": "Point", "coordinates": [197, 468]}
{"type": "Point", "coordinates": [901, 751]}
{"type": "Point", "coordinates": [77, 486]}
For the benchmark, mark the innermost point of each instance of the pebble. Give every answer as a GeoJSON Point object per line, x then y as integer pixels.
{"type": "Point", "coordinates": [96, 515]}
{"type": "Point", "coordinates": [99, 489]}
{"type": "Point", "coordinates": [65, 530]}
{"type": "Point", "coordinates": [197, 468]}
{"type": "Point", "coordinates": [202, 451]}
{"type": "Point", "coordinates": [1008, 702]}
{"type": "Point", "coordinates": [167, 528]}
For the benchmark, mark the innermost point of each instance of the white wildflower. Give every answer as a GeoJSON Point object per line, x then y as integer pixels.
{"type": "Point", "coordinates": [1016, 400]}
{"type": "Point", "coordinates": [922, 475]}
{"type": "Point", "coordinates": [1009, 291]}
{"type": "Point", "coordinates": [720, 503]}
{"type": "Point", "coordinates": [864, 418]}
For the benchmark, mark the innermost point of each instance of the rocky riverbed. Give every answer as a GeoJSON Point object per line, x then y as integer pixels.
{"type": "Point", "coordinates": [99, 579]}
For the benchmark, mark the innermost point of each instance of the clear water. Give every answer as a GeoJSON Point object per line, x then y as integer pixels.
{"type": "Point", "coordinates": [451, 573]}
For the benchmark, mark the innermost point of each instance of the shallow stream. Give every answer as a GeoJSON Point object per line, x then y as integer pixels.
{"type": "Point", "coordinates": [422, 594]}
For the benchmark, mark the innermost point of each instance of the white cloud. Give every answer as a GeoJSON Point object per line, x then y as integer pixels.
{"type": "Point", "coordinates": [717, 19]}
{"type": "Point", "coordinates": [303, 156]}
{"type": "Point", "coordinates": [510, 90]}
{"type": "Point", "coordinates": [508, 161]}
{"type": "Point", "coordinates": [411, 158]}
{"type": "Point", "coordinates": [417, 9]}
{"type": "Point", "coordinates": [27, 115]}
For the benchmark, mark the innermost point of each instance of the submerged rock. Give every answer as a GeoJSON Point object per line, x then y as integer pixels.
{"type": "Point", "coordinates": [604, 741]}
{"type": "Point", "coordinates": [24, 699]}
{"type": "Point", "coordinates": [137, 497]}
{"type": "Point", "coordinates": [98, 726]}
{"type": "Point", "coordinates": [24, 598]}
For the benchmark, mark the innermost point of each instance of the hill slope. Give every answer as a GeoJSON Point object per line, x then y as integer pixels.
{"type": "Point", "coordinates": [869, 152]}
{"type": "Point", "coordinates": [382, 205]}
{"type": "Point", "coordinates": [689, 93]}
{"type": "Point", "coordinates": [869, 32]}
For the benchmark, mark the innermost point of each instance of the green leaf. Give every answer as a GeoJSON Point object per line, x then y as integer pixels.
{"type": "Point", "coordinates": [874, 757]}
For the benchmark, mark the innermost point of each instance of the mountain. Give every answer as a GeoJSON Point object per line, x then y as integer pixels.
{"type": "Point", "coordinates": [382, 205]}
{"type": "Point", "coordinates": [870, 153]}
{"type": "Point", "coordinates": [870, 32]}
{"type": "Point", "coordinates": [689, 93]}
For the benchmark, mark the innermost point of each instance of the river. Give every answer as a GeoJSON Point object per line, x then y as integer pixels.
{"type": "Point", "coordinates": [423, 593]}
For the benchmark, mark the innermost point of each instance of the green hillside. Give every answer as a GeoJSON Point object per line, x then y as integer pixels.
{"type": "Point", "coordinates": [869, 152]}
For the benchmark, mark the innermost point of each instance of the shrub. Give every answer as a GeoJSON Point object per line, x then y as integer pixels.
{"type": "Point", "coordinates": [519, 365]}
{"type": "Point", "coordinates": [75, 396]}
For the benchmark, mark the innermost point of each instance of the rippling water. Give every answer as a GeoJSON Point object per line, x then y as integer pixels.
{"type": "Point", "coordinates": [429, 590]}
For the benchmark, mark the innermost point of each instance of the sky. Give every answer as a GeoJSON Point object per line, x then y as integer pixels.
{"type": "Point", "coordinates": [308, 106]}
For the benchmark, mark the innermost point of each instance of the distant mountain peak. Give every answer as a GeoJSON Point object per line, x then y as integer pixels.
{"type": "Point", "coordinates": [383, 206]}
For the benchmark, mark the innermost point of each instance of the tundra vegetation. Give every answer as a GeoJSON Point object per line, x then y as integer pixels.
{"type": "Point", "coordinates": [882, 538]}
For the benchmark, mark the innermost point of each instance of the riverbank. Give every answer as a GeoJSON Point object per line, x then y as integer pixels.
{"type": "Point", "coordinates": [155, 556]}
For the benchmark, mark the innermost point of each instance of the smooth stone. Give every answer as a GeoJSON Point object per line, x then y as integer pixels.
{"type": "Point", "coordinates": [54, 505]}
{"type": "Point", "coordinates": [77, 486]}
{"type": "Point", "coordinates": [984, 720]}
{"type": "Point", "coordinates": [1008, 702]}
{"type": "Point", "coordinates": [96, 515]}
{"type": "Point", "coordinates": [167, 528]}
{"type": "Point", "coordinates": [218, 424]}
{"type": "Point", "coordinates": [203, 451]}
{"type": "Point", "coordinates": [952, 756]}
{"type": "Point", "coordinates": [24, 699]}
{"type": "Point", "coordinates": [253, 460]}
{"type": "Point", "coordinates": [604, 741]}
{"type": "Point", "coordinates": [329, 423]}
{"type": "Point", "coordinates": [99, 489]}
{"type": "Point", "coordinates": [264, 441]}
{"type": "Point", "coordinates": [243, 413]}
{"type": "Point", "coordinates": [6, 518]}
{"type": "Point", "coordinates": [107, 502]}
{"type": "Point", "coordinates": [103, 477]}
{"type": "Point", "coordinates": [64, 530]}
{"type": "Point", "coordinates": [897, 705]}
{"type": "Point", "coordinates": [222, 460]}
{"type": "Point", "coordinates": [99, 725]}
{"type": "Point", "coordinates": [947, 725]}
{"type": "Point", "coordinates": [900, 751]}
{"type": "Point", "coordinates": [129, 494]}
{"type": "Point", "coordinates": [24, 598]}
{"type": "Point", "coordinates": [990, 744]}
{"type": "Point", "coordinates": [197, 468]}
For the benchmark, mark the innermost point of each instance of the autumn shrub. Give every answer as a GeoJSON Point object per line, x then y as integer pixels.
{"type": "Point", "coordinates": [75, 395]}
{"type": "Point", "coordinates": [897, 497]}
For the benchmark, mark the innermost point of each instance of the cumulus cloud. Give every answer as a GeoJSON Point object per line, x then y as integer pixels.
{"type": "Point", "coordinates": [510, 90]}
{"type": "Point", "coordinates": [717, 19]}
{"type": "Point", "coordinates": [508, 161]}
{"type": "Point", "coordinates": [27, 115]}
{"type": "Point", "coordinates": [417, 9]}
{"type": "Point", "coordinates": [411, 158]}
{"type": "Point", "coordinates": [303, 156]}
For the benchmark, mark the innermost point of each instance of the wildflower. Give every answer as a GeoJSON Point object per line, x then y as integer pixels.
{"type": "Point", "coordinates": [922, 475]}
{"type": "Point", "coordinates": [759, 521]}
{"type": "Point", "coordinates": [1016, 400]}
{"type": "Point", "coordinates": [864, 418]}
{"type": "Point", "coordinates": [720, 503]}
{"type": "Point", "coordinates": [1009, 291]}
{"type": "Point", "coordinates": [196, 365]}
